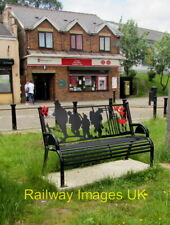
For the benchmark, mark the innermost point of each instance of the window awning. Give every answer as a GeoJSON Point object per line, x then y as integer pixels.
{"type": "Point", "coordinates": [89, 68]}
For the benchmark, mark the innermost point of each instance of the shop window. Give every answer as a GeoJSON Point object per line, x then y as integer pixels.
{"type": "Point", "coordinates": [76, 41]}
{"type": "Point", "coordinates": [45, 40]}
{"type": "Point", "coordinates": [88, 83]}
{"type": "Point", "coordinates": [5, 83]}
{"type": "Point", "coordinates": [104, 43]}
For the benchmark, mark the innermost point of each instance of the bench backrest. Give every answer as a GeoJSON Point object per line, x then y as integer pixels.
{"type": "Point", "coordinates": [86, 122]}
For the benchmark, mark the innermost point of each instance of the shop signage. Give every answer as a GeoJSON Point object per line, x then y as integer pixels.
{"type": "Point", "coordinates": [76, 62]}
{"type": "Point", "coordinates": [39, 61]}
{"type": "Point", "coordinates": [6, 62]}
{"type": "Point", "coordinates": [105, 62]}
{"type": "Point", "coordinates": [114, 83]}
{"type": "Point", "coordinates": [56, 61]}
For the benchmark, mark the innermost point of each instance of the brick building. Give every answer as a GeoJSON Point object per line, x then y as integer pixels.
{"type": "Point", "coordinates": [69, 56]}
{"type": "Point", "coordinates": [9, 66]}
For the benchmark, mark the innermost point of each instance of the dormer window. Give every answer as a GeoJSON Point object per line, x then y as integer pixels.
{"type": "Point", "coordinates": [76, 41]}
{"type": "Point", "coordinates": [104, 43]}
{"type": "Point", "coordinates": [45, 39]}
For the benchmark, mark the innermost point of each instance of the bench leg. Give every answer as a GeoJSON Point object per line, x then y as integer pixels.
{"type": "Point", "coordinates": [62, 175]}
{"type": "Point", "coordinates": [151, 156]}
{"type": "Point", "coordinates": [151, 152]}
{"type": "Point", "coordinates": [128, 151]}
{"type": "Point", "coordinates": [45, 159]}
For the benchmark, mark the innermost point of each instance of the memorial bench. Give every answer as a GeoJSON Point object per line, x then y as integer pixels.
{"type": "Point", "coordinates": [81, 135]}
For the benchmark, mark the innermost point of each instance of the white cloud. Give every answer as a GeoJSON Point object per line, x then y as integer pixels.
{"type": "Point", "coordinates": [153, 14]}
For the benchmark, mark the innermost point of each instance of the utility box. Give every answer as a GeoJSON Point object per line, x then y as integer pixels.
{"type": "Point", "coordinates": [126, 84]}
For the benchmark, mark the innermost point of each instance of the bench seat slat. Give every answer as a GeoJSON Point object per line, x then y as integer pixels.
{"type": "Point", "coordinates": [100, 150]}
{"type": "Point", "coordinates": [111, 152]}
{"type": "Point", "coordinates": [104, 158]}
{"type": "Point", "coordinates": [92, 144]}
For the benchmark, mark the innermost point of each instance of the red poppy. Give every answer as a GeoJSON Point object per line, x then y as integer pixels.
{"type": "Point", "coordinates": [122, 113]}
{"type": "Point", "coordinates": [122, 121]}
{"type": "Point", "coordinates": [116, 108]}
{"type": "Point", "coordinates": [121, 108]}
{"type": "Point", "coordinates": [44, 111]}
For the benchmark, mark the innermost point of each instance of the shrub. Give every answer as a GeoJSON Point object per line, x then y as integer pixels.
{"type": "Point", "coordinates": [151, 75]}
{"type": "Point", "coordinates": [132, 73]}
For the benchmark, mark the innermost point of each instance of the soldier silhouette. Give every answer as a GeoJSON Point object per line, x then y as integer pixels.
{"type": "Point", "coordinates": [96, 119]}
{"type": "Point", "coordinates": [85, 124]}
{"type": "Point", "coordinates": [61, 117]}
{"type": "Point", "coordinates": [75, 121]}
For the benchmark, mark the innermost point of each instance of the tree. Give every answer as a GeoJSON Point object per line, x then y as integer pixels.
{"type": "Point", "coordinates": [132, 44]}
{"type": "Point", "coordinates": [161, 58]}
{"type": "Point", "coordinates": [51, 4]}
{"type": "Point", "coordinates": [3, 2]}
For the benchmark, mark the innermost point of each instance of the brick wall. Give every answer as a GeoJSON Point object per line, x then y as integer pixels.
{"type": "Point", "coordinates": [61, 41]}
{"type": "Point", "coordinates": [63, 94]}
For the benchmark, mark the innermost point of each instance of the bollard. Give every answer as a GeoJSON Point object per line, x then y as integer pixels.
{"type": "Point", "coordinates": [110, 102]}
{"type": "Point", "coordinates": [110, 108]}
{"type": "Point", "coordinates": [124, 101]}
{"type": "Point", "coordinates": [14, 120]}
{"type": "Point", "coordinates": [74, 107]}
{"type": "Point", "coordinates": [165, 105]}
{"type": "Point", "coordinates": [154, 106]}
{"type": "Point", "coordinates": [114, 96]}
{"type": "Point", "coordinates": [150, 98]}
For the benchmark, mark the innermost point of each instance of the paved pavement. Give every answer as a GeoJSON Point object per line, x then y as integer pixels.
{"type": "Point", "coordinates": [27, 115]}
{"type": "Point", "coordinates": [78, 177]}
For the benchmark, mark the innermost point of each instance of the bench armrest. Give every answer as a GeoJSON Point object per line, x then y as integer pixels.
{"type": "Point", "coordinates": [140, 128]}
{"type": "Point", "coordinates": [51, 139]}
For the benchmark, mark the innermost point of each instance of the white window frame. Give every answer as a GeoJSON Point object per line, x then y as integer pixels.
{"type": "Point", "coordinates": [47, 39]}
{"type": "Point", "coordinates": [105, 43]}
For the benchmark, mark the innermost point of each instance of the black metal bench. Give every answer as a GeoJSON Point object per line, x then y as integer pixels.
{"type": "Point", "coordinates": [88, 134]}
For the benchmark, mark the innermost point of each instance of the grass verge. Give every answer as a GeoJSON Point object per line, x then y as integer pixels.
{"type": "Point", "coordinates": [142, 85]}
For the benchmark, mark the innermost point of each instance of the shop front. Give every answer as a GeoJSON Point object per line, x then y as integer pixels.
{"type": "Point", "coordinates": [6, 89]}
{"type": "Point", "coordinates": [73, 79]}
{"type": "Point", "coordinates": [43, 85]}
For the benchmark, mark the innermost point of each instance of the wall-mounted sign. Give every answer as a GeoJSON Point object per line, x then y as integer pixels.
{"type": "Point", "coordinates": [41, 61]}
{"type": "Point", "coordinates": [114, 83]}
{"type": "Point", "coordinates": [62, 83]}
{"type": "Point", "coordinates": [102, 83]}
{"type": "Point", "coordinates": [105, 62]}
{"type": "Point", "coordinates": [76, 62]}
{"type": "Point", "coordinates": [57, 61]}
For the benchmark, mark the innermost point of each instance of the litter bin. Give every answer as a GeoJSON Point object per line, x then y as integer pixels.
{"type": "Point", "coordinates": [154, 92]}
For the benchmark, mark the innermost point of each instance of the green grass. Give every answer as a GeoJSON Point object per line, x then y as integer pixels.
{"type": "Point", "coordinates": [21, 157]}
{"type": "Point", "coordinates": [142, 86]}
{"type": "Point", "coordinates": [153, 209]}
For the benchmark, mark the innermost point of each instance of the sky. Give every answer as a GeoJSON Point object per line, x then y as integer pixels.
{"type": "Point", "coordinates": [151, 14]}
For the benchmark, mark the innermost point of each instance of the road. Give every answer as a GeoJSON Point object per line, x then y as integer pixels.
{"type": "Point", "coordinates": [28, 120]}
